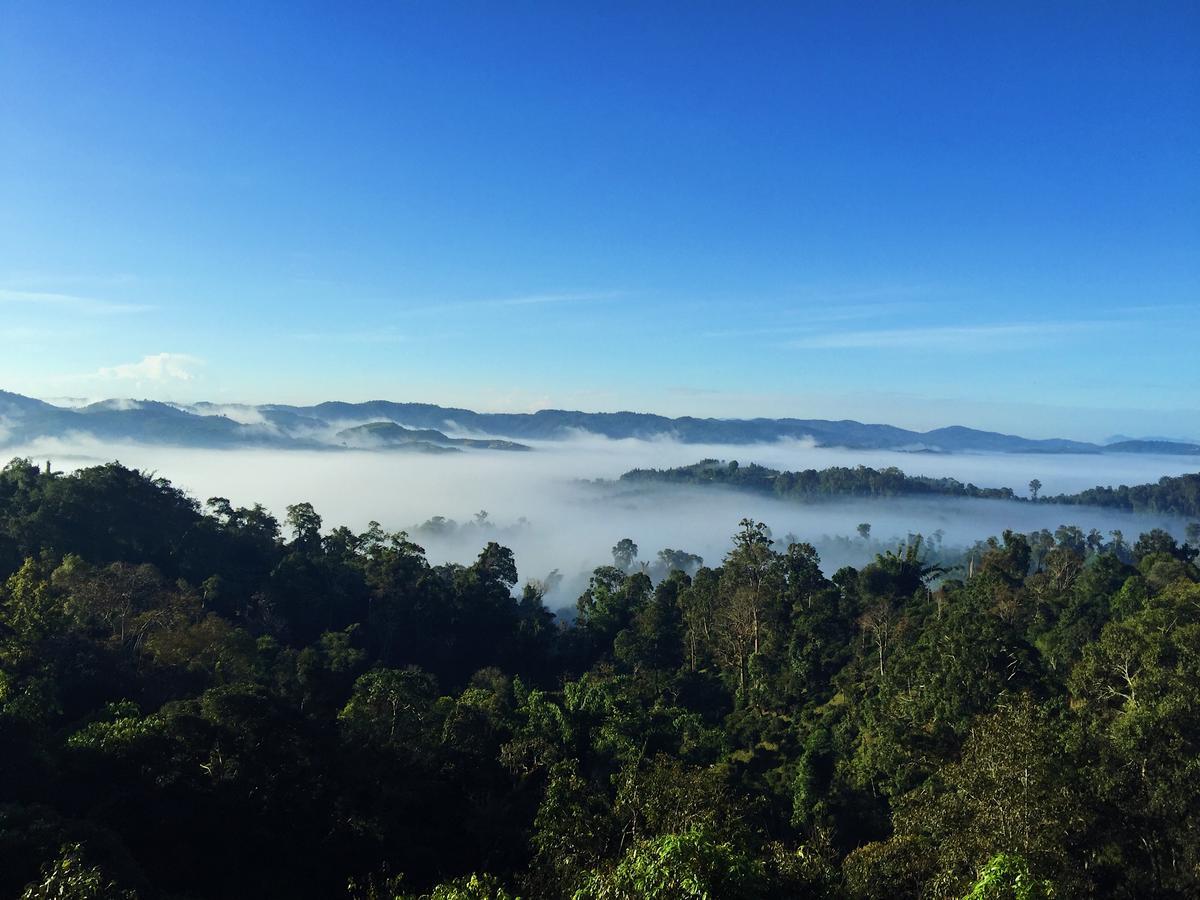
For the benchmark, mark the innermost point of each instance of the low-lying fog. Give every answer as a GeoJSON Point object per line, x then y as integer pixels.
{"type": "Point", "coordinates": [539, 505]}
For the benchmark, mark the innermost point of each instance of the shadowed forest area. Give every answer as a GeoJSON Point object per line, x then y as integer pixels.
{"type": "Point", "coordinates": [202, 701]}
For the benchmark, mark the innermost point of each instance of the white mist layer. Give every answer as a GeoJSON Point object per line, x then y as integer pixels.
{"type": "Point", "coordinates": [571, 525]}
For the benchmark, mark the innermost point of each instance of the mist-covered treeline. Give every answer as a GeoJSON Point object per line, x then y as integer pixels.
{"type": "Point", "coordinates": [207, 702]}
{"type": "Point", "coordinates": [1178, 495]}
{"type": "Point", "coordinates": [1172, 495]}
{"type": "Point", "coordinates": [812, 484]}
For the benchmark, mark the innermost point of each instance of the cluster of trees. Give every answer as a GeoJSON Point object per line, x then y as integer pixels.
{"type": "Point", "coordinates": [206, 702]}
{"type": "Point", "coordinates": [479, 528]}
{"type": "Point", "coordinates": [1172, 495]}
{"type": "Point", "coordinates": [1177, 495]}
{"type": "Point", "coordinates": [816, 484]}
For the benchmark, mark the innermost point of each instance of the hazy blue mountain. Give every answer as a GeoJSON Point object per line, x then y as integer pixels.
{"type": "Point", "coordinates": [558, 424]}
{"type": "Point", "coordinates": [390, 436]}
{"type": "Point", "coordinates": [1174, 448]}
{"type": "Point", "coordinates": [334, 425]}
{"type": "Point", "coordinates": [1175, 439]}
{"type": "Point", "coordinates": [23, 419]}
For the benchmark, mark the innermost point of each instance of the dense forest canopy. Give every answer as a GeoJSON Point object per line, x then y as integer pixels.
{"type": "Point", "coordinates": [203, 701]}
{"type": "Point", "coordinates": [1172, 495]}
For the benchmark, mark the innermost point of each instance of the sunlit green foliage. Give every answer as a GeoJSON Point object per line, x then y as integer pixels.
{"type": "Point", "coordinates": [69, 877]}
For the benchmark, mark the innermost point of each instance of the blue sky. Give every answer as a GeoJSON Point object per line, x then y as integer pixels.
{"type": "Point", "coordinates": [923, 214]}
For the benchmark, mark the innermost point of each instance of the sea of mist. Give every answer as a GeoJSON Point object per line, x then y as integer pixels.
{"type": "Point", "coordinates": [547, 506]}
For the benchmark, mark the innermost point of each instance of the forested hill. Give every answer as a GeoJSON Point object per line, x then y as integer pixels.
{"type": "Point", "coordinates": [814, 484]}
{"type": "Point", "coordinates": [332, 425]}
{"type": "Point", "coordinates": [205, 702]}
{"type": "Point", "coordinates": [1173, 495]}
{"type": "Point", "coordinates": [1178, 495]}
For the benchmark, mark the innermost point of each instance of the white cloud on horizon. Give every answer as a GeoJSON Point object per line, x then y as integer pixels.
{"type": "Point", "coordinates": [155, 367]}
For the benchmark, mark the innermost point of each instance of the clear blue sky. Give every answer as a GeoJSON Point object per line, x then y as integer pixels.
{"type": "Point", "coordinates": [921, 213]}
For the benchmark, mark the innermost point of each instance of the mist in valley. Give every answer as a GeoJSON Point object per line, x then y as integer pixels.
{"type": "Point", "coordinates": [561, 509]}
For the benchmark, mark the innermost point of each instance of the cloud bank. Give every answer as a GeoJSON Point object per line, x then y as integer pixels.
{"type": "Point", "coordinates": [157, 367]}
{"type": "Point", "coordinates": [548, 507]}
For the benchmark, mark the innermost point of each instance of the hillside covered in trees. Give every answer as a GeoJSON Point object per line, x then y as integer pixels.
{"type": "Point", "coordinates": [1173, 495]}
{"type": "Point", "coordinates": [202, 701]}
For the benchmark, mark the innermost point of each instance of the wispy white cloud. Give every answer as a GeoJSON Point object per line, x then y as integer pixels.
{"type": "Point", "coordinates": [364, 336]}
{"type": "Point", "coordinates": [69, 302]}
{"type": "Point", "coordinates": [123, 404]}
{"type": "Point", "coordinates": [398, 312]}
{"type": "Point", "coordinates": [1152, 308]}
{"type": "Point", "coordinates": [241, 413]}
{"type": "Point", "coordinates": [520, 300]}
{"type": "Point", "coordinates": [794, 320]}
{"type": "Point", "coordinates": [24, 333]}
{"type": "Point", "coordinates": [946, 337]}
{"type": "Point", "coordinates": [823, 293]}
{"type": "Point", "coordinates": [67, 402]}
{"type": "Point", "coordinates": [157, 367]}
{"type": "Point", "coordinates": [544, 299]}
{"type": "Point", "coordinates": [54, 280]}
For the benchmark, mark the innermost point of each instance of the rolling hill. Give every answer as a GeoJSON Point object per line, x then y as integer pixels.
{"type": "Point", "coordinates": [382, 424]}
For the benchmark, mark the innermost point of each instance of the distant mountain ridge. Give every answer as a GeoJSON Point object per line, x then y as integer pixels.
{"type": "Point", "coordinates": [325, 425]}
{"type": "Point", "coordinates": [1154, 446]}
{"type": "Point", "coordinates": [389, 435]}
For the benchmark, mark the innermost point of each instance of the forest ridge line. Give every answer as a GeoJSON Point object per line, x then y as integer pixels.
{"type": "Point", "coordinates": [1173, 495]}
